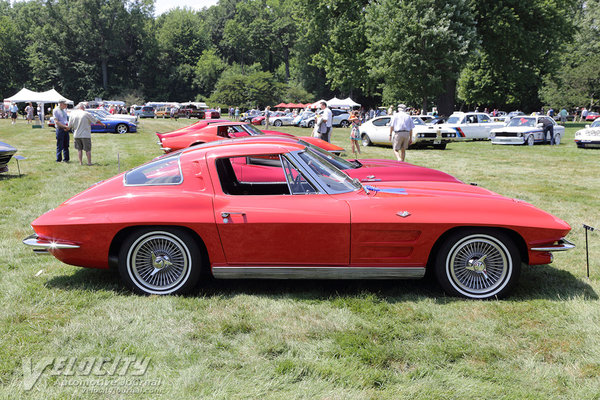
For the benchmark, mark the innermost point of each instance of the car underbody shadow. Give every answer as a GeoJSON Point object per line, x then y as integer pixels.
{"type": "Point", "coordinates": [536, 282]}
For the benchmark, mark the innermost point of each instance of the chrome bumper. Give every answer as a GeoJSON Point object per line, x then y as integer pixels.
{"type": "Point", "coordinates": [561, 245]}
{"type": "Point", "coordinates": [41, 246]}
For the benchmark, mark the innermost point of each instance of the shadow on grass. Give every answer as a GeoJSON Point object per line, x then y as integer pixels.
{"type": "Point", "coordinates": [538, 282]}
{"type": "Point", "coordinates": [5, 177]}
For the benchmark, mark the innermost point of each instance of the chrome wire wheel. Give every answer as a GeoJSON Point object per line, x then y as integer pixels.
{"type": "Point", "coordinates": [479, 266]}
{"type": "Point", "coordinates": [159, 262]}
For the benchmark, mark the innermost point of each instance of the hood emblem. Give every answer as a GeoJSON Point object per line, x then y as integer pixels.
{"type": "Point", "coordinates": [403, 214]}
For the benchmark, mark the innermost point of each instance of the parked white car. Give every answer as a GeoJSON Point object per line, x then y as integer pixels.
{"type": "Point", "coordinates": [589, 136]}
{"type": "Point", "coordinates": [526, 130]}
{"type": "Point", "coordinates": [340, 118]}
{"type": "Point", "coordinates": [464, 126]}
{"type": "Point", "coordinates": [377, 131]}
{"type": "Point", "coordinates": [281, 119]}
{"type": "Point", "coordinates": [302, 116]}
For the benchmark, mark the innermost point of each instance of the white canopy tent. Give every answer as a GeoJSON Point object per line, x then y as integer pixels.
{"type": "Point", "coordinates": [342, 103]}
{"type": "Point", "coordinates": [49, 96]}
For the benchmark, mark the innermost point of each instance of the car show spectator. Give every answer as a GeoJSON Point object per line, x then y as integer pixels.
{"type": "Point", "coordinates": [401, 128]}
{"type": "Point", "coordinates": [584, 114]}
{"type": "Point", "coordinates": [563, 116]}
{"type": "Point", "coordinates": [80, 122]}
{"type": "Point", "coordinates": [13, 112]}
{"type": "Point", "coordinates": [326, 121]}
{"type": "Point", "coordinates": [548, 129]}
{"type": "Point", "coordinates": [355, 132]}
{"type": "Point", "coordinates": [267, 115]}
{"type": "Point", "coordinates": [61, 121]}
{"type": "Point", "coordinates": [551, 112]}
{"type": "Point", "coordinates": [29, 112]}
{"type": "Point", "coordinates": [236, 114]}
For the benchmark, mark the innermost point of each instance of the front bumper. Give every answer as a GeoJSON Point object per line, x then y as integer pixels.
{"type": "Point", "coordinates": [559, 245]}
{"type": "Point", "coordinates": [508, 140]}
{"type": "Point", "coordinates": [42, 246]}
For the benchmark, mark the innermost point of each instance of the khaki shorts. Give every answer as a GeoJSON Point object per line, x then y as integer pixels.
{"type": "Point", "coordinates": [84, 144]}
{"type": "Point", "coordinates": [400, 140]}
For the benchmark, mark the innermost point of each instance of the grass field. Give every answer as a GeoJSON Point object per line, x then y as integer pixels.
{"type": "Point", "coordinates": [307, 339]}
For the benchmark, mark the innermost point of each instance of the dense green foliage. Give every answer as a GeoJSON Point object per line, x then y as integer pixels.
{"type": "Point", "coordinates": [424, 52]}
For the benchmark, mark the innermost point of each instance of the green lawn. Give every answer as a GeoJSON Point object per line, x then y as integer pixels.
{"type": "Point", "coordinates": [307, 339]}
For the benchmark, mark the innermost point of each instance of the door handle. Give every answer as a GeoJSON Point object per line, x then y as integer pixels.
{"type": "Point", "coordinates": [227, 214]}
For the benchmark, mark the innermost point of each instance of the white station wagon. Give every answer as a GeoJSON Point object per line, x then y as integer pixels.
{"type": "Point", "coordinates": [464, 126]}
{"type": "Point", "coordinates": [526, 130]}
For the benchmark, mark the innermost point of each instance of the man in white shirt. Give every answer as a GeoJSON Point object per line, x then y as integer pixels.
{"type": "Point", "coordinates": [401, 128]}
{"type": "Point", "coordinates": [326, 122]}
{"type": "Point", "coordinates": [80, 123]}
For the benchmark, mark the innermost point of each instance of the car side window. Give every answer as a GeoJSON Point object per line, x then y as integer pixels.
{"type": "Point", "coordinates": [483, 118]}
{"type": "Point", "coordinates": [471, 119]}
{"type": "Point", "coordinates": [261, 175]}
{"type": "Point", "coordinates": [381, 122]}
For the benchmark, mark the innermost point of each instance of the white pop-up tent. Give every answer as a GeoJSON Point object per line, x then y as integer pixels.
{"type": "Point", "coordinates": [49, 96]}
{"type": "Point", "coordinates": [342, 103]}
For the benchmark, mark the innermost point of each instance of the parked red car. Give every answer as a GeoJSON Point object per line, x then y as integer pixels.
{"type": "Point", "coordinates": [225, 130]}
{"type": "Point", "coordinates": [592, 116]}
{"type": "Point", "coordinates": [170, 223]}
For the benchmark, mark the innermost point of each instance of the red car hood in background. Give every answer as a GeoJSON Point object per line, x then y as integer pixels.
{"type": "Point", "coordinates": [190, 128]}
{"type": "Point", "coordinates": [375, 170]}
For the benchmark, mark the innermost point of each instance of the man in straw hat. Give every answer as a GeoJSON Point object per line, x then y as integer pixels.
{"type": "Point", "coordinates": [401, 128]}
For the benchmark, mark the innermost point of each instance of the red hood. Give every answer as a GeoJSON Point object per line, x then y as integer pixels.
{"type": "Point", "coordinates": [375, 170]}
{"type": "Point", "coordinates": [190, 128]}
{"type": "Point", "coordinates": [276, 133]}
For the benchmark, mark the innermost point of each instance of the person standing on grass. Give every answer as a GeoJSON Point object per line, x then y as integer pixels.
{"type": "Point", "coordinates": [81, 123]}
{"type": "Point", "coordinates": [326, 122]}
{"type": "Point", "coordinates": [401, 128]}
{"type": "Point", "coordinates": [61, 121]}
{"type": "Point", "coordinates": [584, 114]}
{"type": "Point", "coordinates": [13, 112]}
{"type": "Point", "coordinates": [29, 112]}
{"type": "Point", "coordinates": [355, 132]}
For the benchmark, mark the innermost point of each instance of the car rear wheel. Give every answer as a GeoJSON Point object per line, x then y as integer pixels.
{"type": "Point", "coordinates": [263, 122]}
{"type": "Point", "coordinates": [478, 264]}
{"type": "Point", "coordinates": [366, 140]}
{"type": "Point", "coordinates": [121, 128]}
{"type": "Point", "coordinates": [277, 123]}
{"type": "Point", "coordinates": [311, 124]}
{"type": "Point", "coordinates": [530, 140]}
{"type": "Point", "coordinates": [556, 139]}
{"type": "Point", "coordinates": [160, 261]}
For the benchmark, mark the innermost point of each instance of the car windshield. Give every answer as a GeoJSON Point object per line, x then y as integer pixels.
{"type": "Point", "coordinates": [339, 162]}
{"type": "Point", "coordinates": [596, 123]}
{"type": "Point", "coordinates": [335, 180]}
{"type": "Point", "coordinates": [454, 120]}
{"type": "Point", "coordinates": [252, 131]}
{"type": "Point", "coordinates": [522, 121]}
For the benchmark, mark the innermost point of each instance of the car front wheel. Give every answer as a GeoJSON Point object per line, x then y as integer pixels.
{"type": "Point", "coordinates": [277, 123]}
{"type": "Point", "coordinates": [344, 124]}
{"type": "Point", "coordinates": [557, 139]}
{"type": "Point", "coordinates": [366, 140]}
{"type": "Point", "coordinates": [121, 128]}
{"type": "Point", "coordinates": [160, 261]}
{"type": "Point", "coordinates": [478, 264]}
{"type": "Point", "coordinates": [530, 140]}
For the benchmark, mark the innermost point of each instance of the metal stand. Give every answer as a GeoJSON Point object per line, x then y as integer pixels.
{"type": "Point", "coordinates": [18, 166]}
{"type": "Point", "coordinates": [587, 255]}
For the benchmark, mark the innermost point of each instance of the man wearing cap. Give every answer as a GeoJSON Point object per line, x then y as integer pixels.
{"type": "Point", "coordinates": [61, 121]}
{"type": "Point", "coordinates": [401, 128]}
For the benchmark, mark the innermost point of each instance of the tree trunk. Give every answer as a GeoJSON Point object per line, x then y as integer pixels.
{"type": "Point", "coordinates": [445, 101]}
{"type": "Point", "coordinates": [286, 57]}
{"type": "Point", "coordinates": [424, 107]}
{"type": "Point", "coordinates": [104, 74]}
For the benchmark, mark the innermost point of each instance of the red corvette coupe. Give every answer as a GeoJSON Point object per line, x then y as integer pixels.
{"type": "Point", "coordinates": [222, 130]}
{"type": "Point", "coordinates": [172, 222]}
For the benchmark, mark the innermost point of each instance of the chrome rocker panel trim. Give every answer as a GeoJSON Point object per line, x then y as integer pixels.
{"type": "Point", "coordinates": [270, 272]}
{"type": "Point", "coordinates": [561, 245]}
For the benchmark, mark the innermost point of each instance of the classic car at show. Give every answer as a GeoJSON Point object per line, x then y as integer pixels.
{"type": "Point", "coordinates": [464, 126]}
{"type": "Point", "coordinates": [340, 118]}
{"type": "Point", "coordinates": [103, 114]}
{"type": "Point", "coordinates": [169, 142]}
{"type": "Point", "coordinates": [377, 131]}
{"type": "Point", "coordinates": [589, 136]}
{"type": "Point", "coordinates": [112, 125]}
{"type": "Point", "coordinates": [280, 120]}
{"type": "Point", "coordinates": [526, 130]}
{"type": "Point", "coordinates": [6, 153]}
{"type": "Point", "coordinates": [174, 222]}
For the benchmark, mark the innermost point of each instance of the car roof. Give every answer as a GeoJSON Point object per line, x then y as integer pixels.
{"type": "Point", "coordinates": [271, 143]}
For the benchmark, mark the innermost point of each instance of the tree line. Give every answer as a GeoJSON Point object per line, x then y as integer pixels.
{"type": "Point", "coordinates": [509, 54]}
